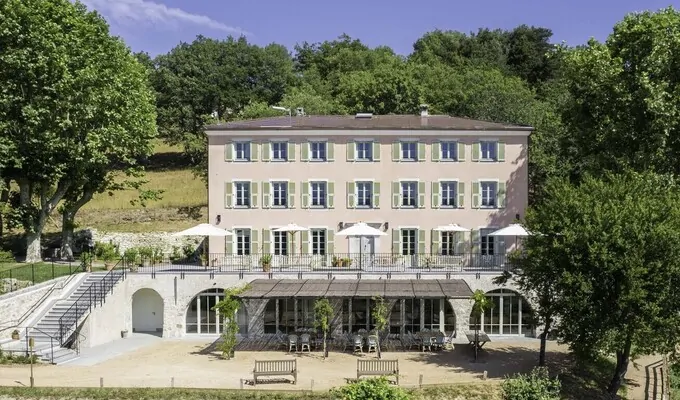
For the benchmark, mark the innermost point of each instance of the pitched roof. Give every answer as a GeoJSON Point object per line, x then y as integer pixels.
{"type": "Point", "coordinates": [375, 122]}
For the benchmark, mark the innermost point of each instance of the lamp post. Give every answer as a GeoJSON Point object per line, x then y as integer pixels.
{"type": "Point", "coordinates": [284, 109]}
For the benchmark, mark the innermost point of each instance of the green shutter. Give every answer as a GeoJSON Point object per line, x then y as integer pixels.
{"type": "Point", "coordinates": [304, 242]}
{"type": "Point", "coordinates": [351, 195]}
{"type": "Point", "coordinates": [460, 245]}
{"type": "Point", "coordinates": [460, 153]}
{"type": "Point", "coordinates": [435, 195]}
{"type": "Point", "coordinates": [435, 239]}
{"type": "Point", "coordinates": [501, 151]}
{"type": "Point", "coordinates": [461, 195]}
{"type": "Point", "coordinates": [229, 244]}
{"type": "Point", "coordinates": [421, 241]}
{"type": "Point", "coordinates": [330, 151]}
{"type": "Point", "coordinates": [304, 151]}
{"type": "Point", "coordinates": [330, 241]}
{"type": "Point", "coordinates": [421, 194]}
{"type": "Point", "coordinates": [475, 151]}
{"type": "Point", "coordinates": [266, 195]}
{"type": "Point", "coordinates": [376, 151]}
{"type": "Point", "coordinates": [376, 194]}
{"type": "Point", "coordinates": [475, 194]}
{"type": "Point", "coordinates": [266, 241]}
{"type": "Point", "coordinates": [254, 151]}
{"type": "Point", "coordinates": [350, 147]}
{"type": "Point", "coordinates": [396, 241]}
{"type": "Point", "coordinates": [436, 151]}
{"type": "Point", "coordinates": [254, 245]}
{"type": "Point", "coordinates": [396, 153]}
{"type": "Point", "coordinates": [229, 152]}
{"type": "Point", "coordinates": [396, 194]}
{"type": "Point", "coordinates": [500, 195]}
{"type": "Point", "coordinates": [266, 151]}
{"type": "Point", "coordinates": [228, 195]}
{"type": "Point", "coordinates": [422, 155]}
{"type": "Point", "coordinates": [253, 194]}
{"type": "Point", "coordinates": [474, 235]}
{"type": "Point", "coordinates": [291, 194]}
{"type": "Point", "coordinates": [500, 249]}
{"type": "Point", "coordinates": [291, 151]}
{"type": "Point", "coordinates": [304, 195]}
{"type": "Point", "coordinates": [331, 195]}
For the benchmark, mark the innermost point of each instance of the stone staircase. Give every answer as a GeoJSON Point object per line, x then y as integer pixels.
{"type": "Point", "coordinates": [64, 317]}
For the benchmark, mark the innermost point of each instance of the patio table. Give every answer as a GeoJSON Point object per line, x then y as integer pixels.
{"type": "Point", "coordinates": [482, 339]}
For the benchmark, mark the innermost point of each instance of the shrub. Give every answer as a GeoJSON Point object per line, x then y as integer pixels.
{"type": "Point", "coordinates": [6, 256]}
{"type": "Point", "coordinates": [105, 251]}
{"type": "Point", "coordinates": [537, 385]}
{"type": "Point", "coordinates": [371, 389]}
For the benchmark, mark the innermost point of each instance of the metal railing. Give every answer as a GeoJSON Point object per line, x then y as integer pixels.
{"type": "Point", "coordinates": [94, 294]}
{"type": "Point", "coordinates": [31, 274]}
{"type": "Point", "coordinates": [337, 262]}
{"type": "Point", "coordinates": [53, 341]}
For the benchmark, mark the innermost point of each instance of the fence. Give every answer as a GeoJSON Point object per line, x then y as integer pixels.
{"type": "Point", "coordinates": [13, 277]}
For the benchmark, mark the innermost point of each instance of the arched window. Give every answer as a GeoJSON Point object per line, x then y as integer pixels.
{"type": "Point", "coordinates": [202, 319]}
{"type": "Point", "coordinates": [511, 315]}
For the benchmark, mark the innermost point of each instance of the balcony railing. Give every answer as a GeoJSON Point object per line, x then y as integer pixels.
{"type": "Point", "coordinates": [337, 262]}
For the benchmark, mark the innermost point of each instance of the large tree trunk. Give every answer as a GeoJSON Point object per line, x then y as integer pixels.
{"type": "Point", "coordinates": [622, 360]}
{"type": "Point", "coordinates": [68, 223]}
{"type": "Point", "coordinates": [544, 339]}
{"type": "Point", "coordinates": [35, 223]}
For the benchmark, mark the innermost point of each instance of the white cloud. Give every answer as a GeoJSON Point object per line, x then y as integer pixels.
{"type": "Point", "coordinates": [144, 12]}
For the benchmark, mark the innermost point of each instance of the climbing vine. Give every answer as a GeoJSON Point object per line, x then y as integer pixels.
{"type": "Point", "coordinates": [381, 316]}
{"type": "Point", "coordinates": [323, 312]}
{"type": "Point", "coordinates": [227, 310]}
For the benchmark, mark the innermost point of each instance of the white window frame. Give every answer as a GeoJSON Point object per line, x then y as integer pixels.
{"type": "Point", "coordinates": [401, 192]}
{"type": "Point", "coordinates": [454, 145]}
{"type": "Point", "coordinates": [414, 143]}
{"type": "Point", "coordinates": [273, 236]}
{"type": "Point", "coordinates": [401, 238]}
{"type": "Point", "coordinates": [481, 150]}
{"type": "Point", "coordinates": [368, 142]}
{"type": "Point", "coordinates": [271, 189]}
{"type": "Point", "coordinates": [481, 193]}
{"type": "Point", "coordinates": [234, 240]}
{"type": "Point", "coordinates": [311, 150]}
{"type": "Point", "coordinates": [494, 246]}
{"type": "Point", "coordinates": [285, 147]}
{"type": "Point", "coordinates": [324, 243]}
{"type": "Point", "coordinates": [234, 194]}
{"type": "Point", "coordinates": [238, 142]}
{"type": "Point", "coordinates": [370, 197]}
{"type": "Point", "coordinates": [455, 192]}
{"type": "Point", "coordinates": [311, 193]}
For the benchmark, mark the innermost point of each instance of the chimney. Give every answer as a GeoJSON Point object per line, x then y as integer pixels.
{"type": "Point", "coordinates": [424, 112]}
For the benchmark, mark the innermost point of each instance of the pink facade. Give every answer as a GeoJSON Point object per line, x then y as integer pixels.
{"type": "Point", "coordinates": [468, 183]}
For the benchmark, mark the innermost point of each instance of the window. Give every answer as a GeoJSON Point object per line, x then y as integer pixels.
{"type": "Point", "coordinates": [409, 151]}
{"type": "Point", "coordinates": [318, 241]}
{"type": "Point", "coordinates": [412, 315]}
{"type": "Point", "coordinates": [511, 315]}
{"type": "Point", "coordinates": [432, 308]}
{"type": "Point", "coordinates": [280, 151]}
{"type": "Point", "coordinates": [319, 194]}
{"type": "Point", "coordinates": [318, 150]}
{"type": "Point", "coordinates": [409, 194]}
{"type": "Point", "coordinates": [487, 243]}
{"type": "Point", "coordinates": [489, 192]}
{"type": "Point", "coordinates": [364, 151]}
{"type": "Point", "coordinates": [242, 151]}
{"type": "Point", "coordinates": [365, 194]}
{"type": "Point", "coordinates": [449, 193]}
{"type": "Point", "coordinates": [449, 243]}
{"type": "Point", "coordinates": [242, 194]}
{"type": "Point", "coordinates": [280, 243]}
{"type": "Point", "coordinates": [280, 194]}
{"type": "Point", "coordinates": [242, 242]}
{"type": "Point", "coordinates": [489, 151]}
{"type": "Point", "coordinates": [409, 241]}
{"type": "Point", "coordinates": [449, 151]}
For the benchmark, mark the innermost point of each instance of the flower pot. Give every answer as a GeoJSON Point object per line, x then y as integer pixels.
{"type": "Point", "coordinates": [266, 267]}
{"type": "Point", "coordinates": [346, 263]}
{"type": "Point", "coordinates": [15, 335]}
{"type": "Point", "coordinates": [109, 265]}
{"type": "Point", "coordinates": [124, 334]}
{"type": "Point", "coordinates": [336, 264]}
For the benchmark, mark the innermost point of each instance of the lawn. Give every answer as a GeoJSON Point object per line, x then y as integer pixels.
{"type": "Point", "coordinates": [675, 381]}
{"type": "Point", "coordinates": [38, 272]}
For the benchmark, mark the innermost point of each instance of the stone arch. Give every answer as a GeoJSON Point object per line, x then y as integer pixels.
{"type": "Point", "coordinates": [147, 311]}
{"type": "Point", "coordinates": [511, 314]}
{"type": "Point", "coordinates": [200, 318]}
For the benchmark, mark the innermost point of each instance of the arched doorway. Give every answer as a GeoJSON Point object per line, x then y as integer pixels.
{"type": "Point", "coordinates": [147, 311]}
{"type": "Point", "coordinates": [511, 315]}
{"type": "Point", "coordinates": [203, 320]}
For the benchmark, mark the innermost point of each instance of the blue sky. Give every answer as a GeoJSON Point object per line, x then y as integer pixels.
{"type": "Point", "coordinates": [156, 26]}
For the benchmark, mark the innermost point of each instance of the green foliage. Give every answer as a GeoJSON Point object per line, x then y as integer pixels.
{"type": "Point", "coordinates": [323, 312]}
{"type": "Point", "coordinates": [11, 358]}
{"type": "Point", "coordinates": [537, 385]}
{"type": "Point", "coordinates": [371, 389]}
{"type": "Point", "coordinates": [6, 256]}
{"type": "Point", "coordinates": [481, 303]}
{"type": "Point", "coordinates": [105, 251]}
{"type": "Point", "coordinates": [380, 313]}
{"type": "Point", "coordinates": [145, 253]}
{"type": "Point", "coordinates": [131, 255]}
{"type": "Point", "coordinates": [227, 309]}
{"type": "Point", "coordinates": [675, 381]}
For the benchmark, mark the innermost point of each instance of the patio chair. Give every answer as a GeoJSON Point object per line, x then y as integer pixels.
{"type": "Point", "coordinates": [304, 342]}
{"type": "Point", "coordinates": [447, 341]}
{"type": "Point", "coordinates": [281, 340]}
{"type": "Point", "coordinates": [428, 342]}
{"type": "Point", "coordinates": [372, 343]}
{"type": "Point", "coordinates": [358, 344]}
{"type": "Point", "coordinates": [292, 343]}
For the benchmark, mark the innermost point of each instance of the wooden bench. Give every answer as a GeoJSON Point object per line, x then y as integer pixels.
{"type": "Point", "coordinates": [275, 368]}
{"type": "Point", "coordinates": [378, 368]}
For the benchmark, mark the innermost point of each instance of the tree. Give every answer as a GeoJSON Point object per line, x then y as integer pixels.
{"type": "Point", "coordinates": [617, 243]}
{"type": "Point", "coordinates": [481, 303]}
{"type": "Point", "coordinates": [227, 309]}
{"type": "Point", "coordinates": [323, 312]}
{"type": "Point", "coordinates": [381, 315]}
{"type": "Point", "coordinates": [74, 99]}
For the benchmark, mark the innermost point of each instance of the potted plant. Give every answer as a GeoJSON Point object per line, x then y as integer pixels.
{"type": "Point", "coordinates": [86, 261]}
{"type": "Point", "coordinates": [266, 262]}
{"type": "Point", "coordinates": [157, 255]}
{"type": "Point", "coordinates": [130, 258]}
{"type": "Point", "coordinates": [336, 262]}
{"type": "Point", "coordinates": [15, 334]}
{"type": "Point", "coordinates": [146, 254]}
{"type": "Point", "coordinates": [346, 262]}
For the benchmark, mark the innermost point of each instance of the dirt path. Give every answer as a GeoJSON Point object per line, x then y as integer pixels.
{"type": "Point", "coordinates": [645, 378]}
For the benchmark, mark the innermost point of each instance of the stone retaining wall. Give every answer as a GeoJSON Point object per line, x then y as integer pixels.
{"type": "Point", "coordinates": [125, 240]}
